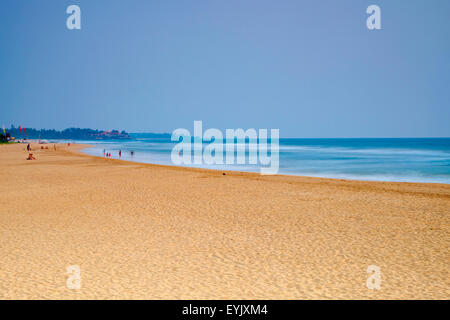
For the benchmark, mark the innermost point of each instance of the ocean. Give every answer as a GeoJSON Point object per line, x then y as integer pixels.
{"type": "Point", "coordinates": [396, 159]}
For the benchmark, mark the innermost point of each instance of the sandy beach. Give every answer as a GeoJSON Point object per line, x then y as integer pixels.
{"type": "Point", "coordinates": [140, 231]}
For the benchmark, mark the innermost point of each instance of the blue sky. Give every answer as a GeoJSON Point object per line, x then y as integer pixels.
{"type": "Point", "coordinates": [309, 68]}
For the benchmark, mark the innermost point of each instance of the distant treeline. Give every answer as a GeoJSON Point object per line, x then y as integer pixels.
{"type": "Point", "coordinates": [3, 138]}
{"type": "Point", "coordinates": [70, 133]}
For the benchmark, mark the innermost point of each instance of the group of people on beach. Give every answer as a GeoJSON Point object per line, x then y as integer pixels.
{"type": "Point", "coordinates": [108, 154]}
{"type": "Point", "coordinates": [30, 155]}
{"type": "Point", "coordinates": [30, 150]}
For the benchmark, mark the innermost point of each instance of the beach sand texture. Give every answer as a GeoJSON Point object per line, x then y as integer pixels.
{"type": "Point", "coordinates": [140, 231]}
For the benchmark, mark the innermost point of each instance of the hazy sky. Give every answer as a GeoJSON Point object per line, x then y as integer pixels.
{"type": "Point", "coordinates": [309, 68]}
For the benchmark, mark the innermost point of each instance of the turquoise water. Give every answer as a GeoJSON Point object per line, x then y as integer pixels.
{"type": "Point", "coordinates": [408, 159]}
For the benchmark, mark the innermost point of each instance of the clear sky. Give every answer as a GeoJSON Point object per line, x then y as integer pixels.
{"type": "Point", "coordinates": [310, 68]}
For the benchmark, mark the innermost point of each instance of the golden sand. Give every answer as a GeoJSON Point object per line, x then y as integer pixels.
{"type": "Point", "coordinates": [140, 231]}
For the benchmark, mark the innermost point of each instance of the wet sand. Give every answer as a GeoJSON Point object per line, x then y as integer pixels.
{"type": "Point", "coordinates": [140, 231]}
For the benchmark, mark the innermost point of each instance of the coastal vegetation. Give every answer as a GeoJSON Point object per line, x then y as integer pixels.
{"type": "Point", "coordinates": [69, 133]}
{"type": "Point", "coordinates": [3, 138]}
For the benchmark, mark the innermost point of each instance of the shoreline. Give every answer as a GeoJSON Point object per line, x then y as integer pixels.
{"type": "Point", "coordinates": [350, 179]}
{"type": "Point", "coordinates": [146, 231]}
{"type": "Point", "coordinates": [87, 146]}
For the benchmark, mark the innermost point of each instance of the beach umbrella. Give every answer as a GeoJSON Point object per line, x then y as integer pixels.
{"type": "Point", "coordinates": [25, 131]}
{"type": "Point", "coordinates": [20, 128]}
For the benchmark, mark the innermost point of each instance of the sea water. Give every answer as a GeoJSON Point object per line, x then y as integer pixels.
{"type": "Point", "coordinates": [382, 159]}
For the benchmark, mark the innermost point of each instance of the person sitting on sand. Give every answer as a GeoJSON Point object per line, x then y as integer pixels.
{"type": "Point", "coordinates": [30, 157]}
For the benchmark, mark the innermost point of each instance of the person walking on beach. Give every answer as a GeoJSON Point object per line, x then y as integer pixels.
{"type": "Point", "coordinates": [28, 147]}
{"type": "Point", "coordinates": [120, 153]}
